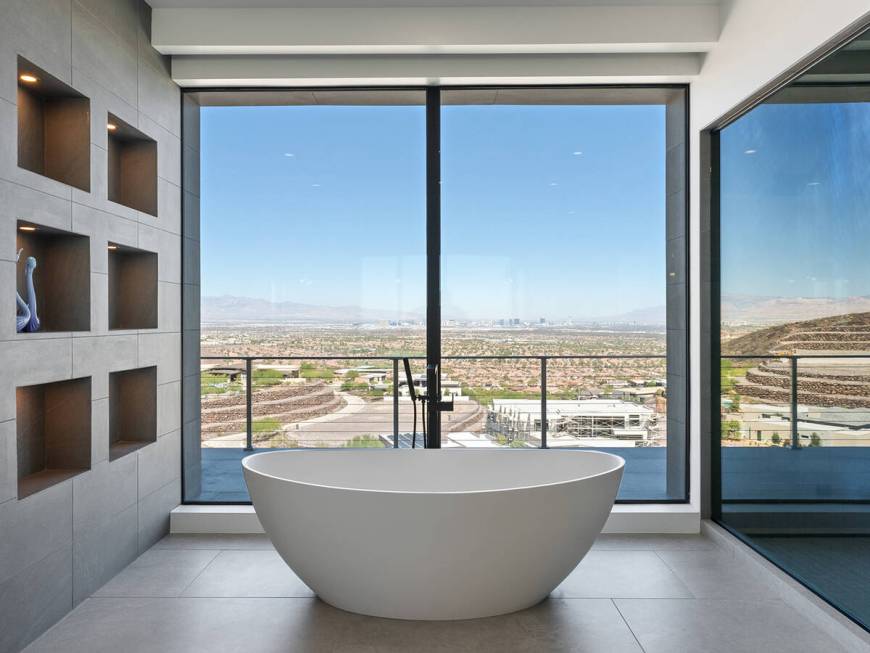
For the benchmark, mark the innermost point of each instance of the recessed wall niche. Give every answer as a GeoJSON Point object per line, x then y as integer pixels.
{"type": "Point", "coordinates": [132, 410]}
{"type": "Point", "coordinates": [53, 425]}
{"type": "Point", "coordinates": [54, 127]}
{"type": "Point", "coordinates": [59, 286]}
{"type": "Point", "coordinates": [132, 166]}
{"type": "Point", "coordinates": [132, 288]}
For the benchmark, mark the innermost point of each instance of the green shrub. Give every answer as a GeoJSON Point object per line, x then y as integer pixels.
{"type": "Point", "coordinates": [365, 442]}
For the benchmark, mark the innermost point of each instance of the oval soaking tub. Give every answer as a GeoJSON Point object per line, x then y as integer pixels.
{"type": "Point", "coordinates": [432, 534]}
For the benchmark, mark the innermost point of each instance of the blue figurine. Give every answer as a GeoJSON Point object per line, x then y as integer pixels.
{"type": "Point", "coordinates": [26, 318]}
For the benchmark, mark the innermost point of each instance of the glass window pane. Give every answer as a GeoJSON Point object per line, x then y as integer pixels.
{"type": "Point", "coordinates": [555, 243]}
{"type": "Point", "coordinates": [313, 248]}
{"type": "Point", "coordinates": [795, 328]}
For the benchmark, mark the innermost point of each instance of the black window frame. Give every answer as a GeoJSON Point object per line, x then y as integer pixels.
{"type": "Point", "coordinates": [433, 106]}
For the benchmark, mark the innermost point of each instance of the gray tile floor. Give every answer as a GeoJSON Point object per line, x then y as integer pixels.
{"type": "Point", "coordinates": [631, 593]}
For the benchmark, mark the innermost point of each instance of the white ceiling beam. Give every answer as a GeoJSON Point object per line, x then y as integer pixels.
{"type": "Point", "coordinates": [275, 71]}
{"type": "Point", "coordinates": [436, 30]}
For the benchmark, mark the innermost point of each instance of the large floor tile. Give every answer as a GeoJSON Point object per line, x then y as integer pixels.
{"type": "Point", "coordinates": [207, 541]}
{"type": "Point", "coordinates": [622, 574]}
{"type": "Point", "coordinates": [576, 625]}
{"type": "Point", "coordinates": [718, 574]}
{"type": "Point", "coordinates": [722, 626]}
{"type": "Point", "coordinates": [192, 625]}
{"type": "Point", "coordinates": [248, 574]}
{"type": "Point", "coordinates": [158, 573]}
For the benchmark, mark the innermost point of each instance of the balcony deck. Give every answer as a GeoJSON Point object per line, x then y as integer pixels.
{"type": "Point", "coordinates": [222, 480]}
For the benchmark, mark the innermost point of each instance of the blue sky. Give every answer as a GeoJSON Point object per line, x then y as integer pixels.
{"type": "Point", "coordinates": [548, 211]}
{"type": "Point", "coordinates": [795, 200]}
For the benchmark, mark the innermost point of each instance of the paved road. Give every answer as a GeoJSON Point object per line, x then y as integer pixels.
{"type": "Point", "coordinates": [372, 419]}
{"type": "Point", "coordinates": [358, 417]}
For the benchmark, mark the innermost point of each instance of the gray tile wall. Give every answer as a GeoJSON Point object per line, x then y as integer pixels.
{"type": "Point", "coordinates": [60, 545]}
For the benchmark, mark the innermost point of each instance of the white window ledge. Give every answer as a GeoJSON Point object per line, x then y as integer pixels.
{"type": "Point", "coordinates": [624, 518]}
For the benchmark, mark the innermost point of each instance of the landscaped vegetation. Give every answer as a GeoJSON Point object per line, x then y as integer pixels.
{"type": "Point", "coordinates": [215, 384]}
{"type": "Point", "coordinates": [313, 371]}
{"type": "Point", "coordinates": [365, 442]}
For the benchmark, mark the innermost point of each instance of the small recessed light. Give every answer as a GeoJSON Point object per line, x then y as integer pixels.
{"type": "Point", "coordinates": [750, 151]}
{"type": "Point", "coordinates": [577, 153]}
{"type": "Point", "coordinates": [113, 247]}
{"type": "Point", "coordinates": [30, 79]}
{"type": "Point", "coordinates": [27, 228]}
{"type": "Point", "coordinates": [111, 127]}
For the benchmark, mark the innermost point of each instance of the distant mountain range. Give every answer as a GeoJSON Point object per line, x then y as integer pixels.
{"type": "Point", "coordinates": [757, 310]}
{"type": "Point", "coordinates": [227, 308]}
{"type": "Point", "coordinates": [232, 309]}
{"type": "Point", "coordinates": [736, 309]}
{"type": "Point", "coordinates": [751, 309]}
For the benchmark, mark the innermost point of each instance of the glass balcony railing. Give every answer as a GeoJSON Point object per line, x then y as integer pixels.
{"type": "Point", "coordinates": [281, 402]}
{"type": "Point", "coordinates": [794, 427]}
{"type": "Point", "coordinates": [608, 402]}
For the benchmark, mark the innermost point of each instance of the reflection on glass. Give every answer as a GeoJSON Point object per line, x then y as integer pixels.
{"type": "Point", "coordinates": [795, 331]}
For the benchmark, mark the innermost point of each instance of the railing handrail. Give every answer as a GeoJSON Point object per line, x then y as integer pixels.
{"type": "Point", "coordinates": [469, 357]}
{"type": "Point", "coordinates": [795, 356]}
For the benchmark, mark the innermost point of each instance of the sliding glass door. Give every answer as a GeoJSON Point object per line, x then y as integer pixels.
{"type": "Point", "coordinates": [523, 250]}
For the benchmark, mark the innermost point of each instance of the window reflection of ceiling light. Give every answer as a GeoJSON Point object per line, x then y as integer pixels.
{"type": "Point", "coordinates": [111, 127]}
{"type": "Point", "coordinates": [113, 247]}
{"type": "Point", "coordinates": [750, 151]}
{"type": "Point", "coordinates": [27, 228]}
{"type": "Point", "coordinates": [30, 79]}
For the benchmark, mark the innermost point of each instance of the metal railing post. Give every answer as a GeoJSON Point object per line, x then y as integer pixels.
{"type": "Point", "coordinates": [395, 403]}
{"type": "Point", "coordinates": [249, 439]}
{"type": "Point", "coordinates": [543, 402]}
{"type": "Point", "coordinates": [795, 438]}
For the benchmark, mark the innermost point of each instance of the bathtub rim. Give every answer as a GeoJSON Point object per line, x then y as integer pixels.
{"type": "Point", "coordinates": [619, 466]}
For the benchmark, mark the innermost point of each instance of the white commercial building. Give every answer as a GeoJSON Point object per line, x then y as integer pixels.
{"type": "Point", "coordinates": [520, 419]}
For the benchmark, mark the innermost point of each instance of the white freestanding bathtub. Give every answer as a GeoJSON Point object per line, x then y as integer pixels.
{"type": "Point", "coordinates": [433, 534]}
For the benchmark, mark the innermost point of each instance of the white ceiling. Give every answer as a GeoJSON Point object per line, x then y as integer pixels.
{"type": "Point", "coordinates": [323, 4]}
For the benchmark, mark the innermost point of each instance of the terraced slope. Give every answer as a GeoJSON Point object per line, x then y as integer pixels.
{"type": "Point", "coordinates": [839, 334]}
{"type": "Point", "coordinates": [825, 382]}
{"type": "Point", "coordinates": [285, 402]}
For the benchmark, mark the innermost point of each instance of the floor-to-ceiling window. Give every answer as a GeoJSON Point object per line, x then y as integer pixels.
{"type": "Point", "coordinates": [561, 286]}
{"type": "Point", "coordinates": [794, 335]}
{"type": "Point", "coordinates": [312, 251]}
{"type": "Point", "coordinates": [555, 246]}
